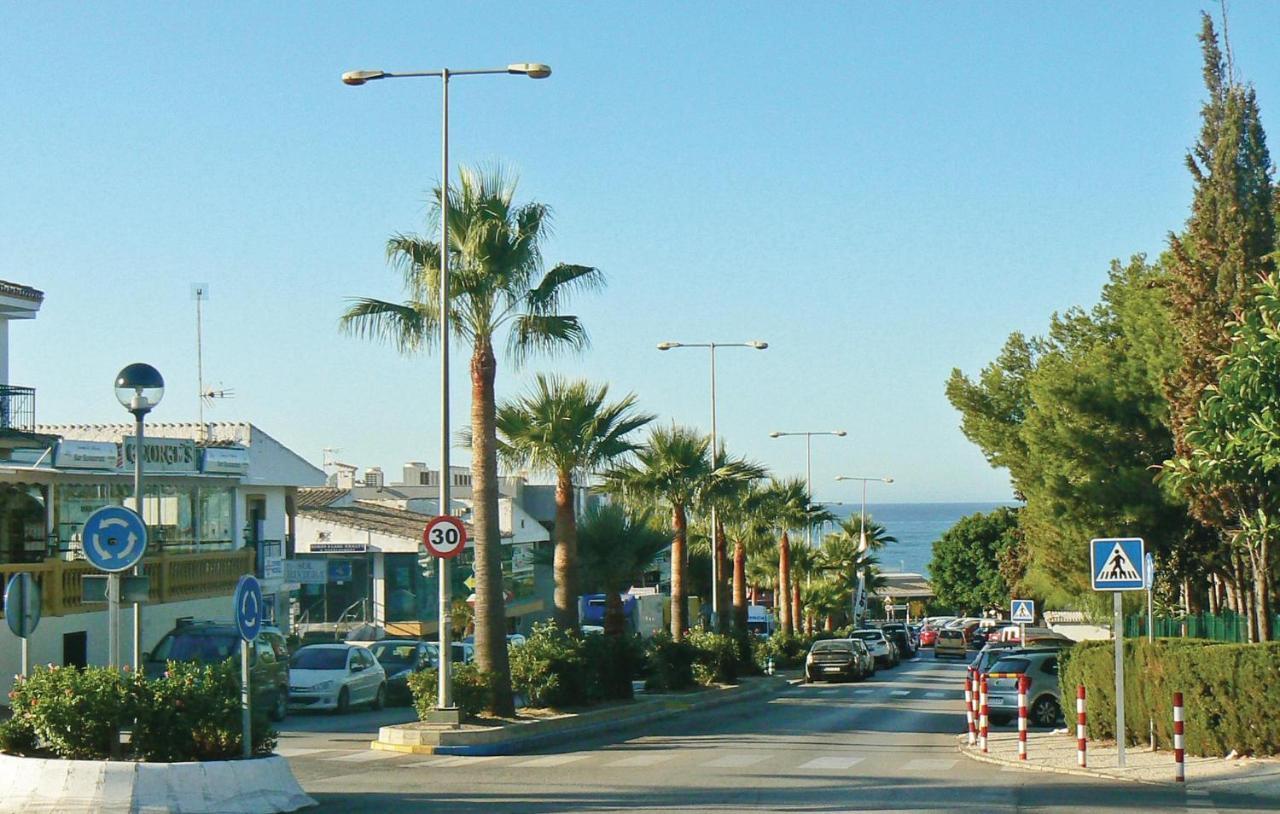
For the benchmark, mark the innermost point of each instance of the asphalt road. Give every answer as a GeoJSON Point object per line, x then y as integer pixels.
{"type": "Point", "coordinates": [886, 744]}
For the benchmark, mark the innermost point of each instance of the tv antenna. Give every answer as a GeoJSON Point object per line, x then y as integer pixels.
{"type": "Point", "coordinates": [200, 293]}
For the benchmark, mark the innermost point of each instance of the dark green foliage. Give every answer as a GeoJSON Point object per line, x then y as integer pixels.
{"type": "Point", "coordinates": [17, 737]}
{"type": "Point", "coordinates": [786, 650]}
{"type": "Point", "coordinates": [614, 662]}
{"type": "Point", "coordinates": [472, 690]}
{"type": "Point", "coordinates": [965, 569]}
{"type": "Point", "coordinates": [1230, 692]}
{"type": "Point", "coordinates": [558, 669]}
{"type": "Point", "coordinates": [717, 658]}
{"type": "Point", "coordinates": [669, 663]}
{"type": "Point", "coordinates": [191, 713]}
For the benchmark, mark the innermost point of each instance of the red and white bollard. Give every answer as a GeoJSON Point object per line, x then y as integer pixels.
{"type": "Point", "coordinates": [968, 706]}
{"type": "Point", "coordinates": [983, 714]}
{"type": "Point", "coordinates": [975, 705]}
{"type": "Point", "coordinates": [1179, 756]}
{"type": "Point", "coordinates": [1024, 684]}
{"type": "Point", "coordinates": [1080, 727]}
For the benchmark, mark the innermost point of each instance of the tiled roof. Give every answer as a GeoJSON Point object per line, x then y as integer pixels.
{"type": "Point", "coordinates": [319, 497]}
{"type": "Point", "coordinates": [370, 517]}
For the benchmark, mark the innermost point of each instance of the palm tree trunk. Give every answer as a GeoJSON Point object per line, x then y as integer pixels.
{"type": "Point", "coordinates": [797, 607]}
{"type": "Point", "coordinates": [565, 561]}
{"type": "Point", "coordinates": [615, 622]}
{"type": "Point", "coordinates": [722, 585]}
{"type": "Point", "coordinates": [679, 618]}
{"type": "Point", "coordinates": [491, 611]}
{"type": "Point", "coordinates": [784, 585]}
{"type": "Point", "coordinates": [739, 588]}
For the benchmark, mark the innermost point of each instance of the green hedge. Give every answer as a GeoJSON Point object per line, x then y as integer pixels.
{"type": "Point", "coordinates": [1230, 692]}
{"type": "Point", "coordinates": [555, 668]}
{"type": "Point", "coordinates": [191, 713]}
{"type": "Point", "coordinates": [472, 689]}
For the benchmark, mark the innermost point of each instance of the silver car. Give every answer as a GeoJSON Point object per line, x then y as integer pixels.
{"type": "Point", "coordinates": [1044, 701]}
{"type": "Point", "coordinates": [884, 651]}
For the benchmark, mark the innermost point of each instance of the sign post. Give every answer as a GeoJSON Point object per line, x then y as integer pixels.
{"type": "Point", "coordinates": [1117, 565]}
{"type": "Point", "coordinates": [1023, 612]}
{"type": "Point", "coordinates": [248, 611]}
{"type": "Point", "coordinates": [1149, 574]}
{"type": "Point", "coordinates": [114, 540]}
{"type": "Point", "coordinates": [444, 538]}
{"type": "Point", "coordinates": [22, 612]}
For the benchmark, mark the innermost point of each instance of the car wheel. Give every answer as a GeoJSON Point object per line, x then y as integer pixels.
{"type": "Point", "coordinates": [344, 701]}
{"type": "Point", "coordinates": [281, 706]}
{"type": "Point", "coordinates": [380, 697]}
{"type": "Point", "coordinates": [1045, 711]}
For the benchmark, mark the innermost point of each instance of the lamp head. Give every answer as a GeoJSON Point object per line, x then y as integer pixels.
{"type": "Point", "coordinates": [839, 433]}
{"type": "Point", "coordinates": [668, 345]}
{"type": "Point", "coordinates": [888, 480]}
{"type": "Point", "coordinates": [775, 434]}
{"type": "Point", "coordinates": [533, 70]}
{"type": "Point", "coordinates": [139, 387]}
{"type": "Point", "coordinates": [757, 344]}
{"type": "Point", "coordinates": [360, 77]}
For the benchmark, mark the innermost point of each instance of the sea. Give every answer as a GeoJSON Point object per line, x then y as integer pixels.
{"type": "Point", "coordinates": [916, 525]}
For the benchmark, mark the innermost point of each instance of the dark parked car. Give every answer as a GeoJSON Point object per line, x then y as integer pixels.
{"type": "Point", "coordinates": [214, 642]}
{"type": "Point", "coordinates": [838, 658]}
{"type": "Point", "coordinates": [902, 637]}
{"type": "Point", "coordinates": [400, 658]}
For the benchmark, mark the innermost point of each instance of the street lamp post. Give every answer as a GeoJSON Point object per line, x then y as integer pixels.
{"type": "Point", "coordinates": [808, 467]}
{"type": "Point", "coordinates": [533, 70]}
{"type": "Point", "coordinates": [139, 388]}
{"type": "Point", "coordinates": [754, 344]}
{"type": "Point", "coordinates": [862, 542]}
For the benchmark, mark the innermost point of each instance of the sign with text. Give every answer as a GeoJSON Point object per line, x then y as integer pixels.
{"type": "Point", "coordinates": [306, 572]}
{"type": "Point", "coordinates": [160, 454]}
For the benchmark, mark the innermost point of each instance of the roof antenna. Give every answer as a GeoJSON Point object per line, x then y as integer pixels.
{"type": "Point", "coordinates": [200, 293]}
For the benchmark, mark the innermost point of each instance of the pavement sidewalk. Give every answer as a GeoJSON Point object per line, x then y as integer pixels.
{"type": "Point", "coordinates": [1056, 752]}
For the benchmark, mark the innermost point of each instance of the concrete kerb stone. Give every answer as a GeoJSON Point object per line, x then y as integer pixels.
{"type": "Point", "coordinates": [500, 741]}
{"type": "Point", "coordinates": [973, 753]}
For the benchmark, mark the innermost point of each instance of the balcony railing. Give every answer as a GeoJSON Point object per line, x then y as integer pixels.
{"type": "Point", "coordinates": [174, 578]}
{"type": "Point", "coordinates": [17, 408]}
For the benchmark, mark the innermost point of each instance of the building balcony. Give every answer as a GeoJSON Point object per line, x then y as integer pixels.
{"type": "Point", "coordinates": [17, 409]}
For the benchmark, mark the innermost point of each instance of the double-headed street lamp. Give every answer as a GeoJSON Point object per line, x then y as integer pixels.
{"type": "Point", "coordinates": [808, 467]}
{"type": "Point", "coordinates": [139, 388]}
{"type": "Point", "coordinates": [862, 545]}
{"type": "Point", "coordinates": [533, 70]}
{"type": "Point", "coordinates": [754, 344]}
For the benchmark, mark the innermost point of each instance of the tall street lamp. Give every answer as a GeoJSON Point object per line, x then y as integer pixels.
{"type": "Point", "coordinates": [139, 388]}
{"type": "Point", "coordinates": [533, 70]}
{"type": "Point", "coordinates": [862, 545]}
{"type": "Point", "coordinates": [808, 467]}
{"type": "Point", "coordinates": [754, 344]}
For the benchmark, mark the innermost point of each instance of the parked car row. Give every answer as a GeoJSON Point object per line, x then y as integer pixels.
{"type": "Point", "coordinates": [859, 656]}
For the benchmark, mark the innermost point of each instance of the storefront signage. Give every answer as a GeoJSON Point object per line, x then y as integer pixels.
{"type": "Point", "coordinates": [306, 572]}
{"type": "Point", "coordinates": [85, 455]}
{"type": "Point", "coordinates": [161, 454]}
{"type": "Point", "coordinates": [339, 548]}
{"type": "Point", "coordinates": [225, 461]}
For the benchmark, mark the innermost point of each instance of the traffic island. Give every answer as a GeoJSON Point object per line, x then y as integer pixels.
{"type": "Point", "coordinates": [33, 785]}
{"type": "Point", "coordinates": [1056, 752]}
{"type": "Point", "coordinates": [513, 737]}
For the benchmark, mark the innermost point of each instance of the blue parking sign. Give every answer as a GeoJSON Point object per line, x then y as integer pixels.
{"type": "Point", "coordinates": [1118, 564]}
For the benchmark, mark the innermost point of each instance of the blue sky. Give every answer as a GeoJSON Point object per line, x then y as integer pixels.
{"type": "Point", "coordinates": [881, 192]}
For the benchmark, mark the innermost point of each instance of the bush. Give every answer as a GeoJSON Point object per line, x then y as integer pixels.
{"type": "Point", "coordinates": [716, 661]}
{"type": "Point", "coordinates": [472, 690]}
{"type": "Point", "coordinates": [550, 668]}
{"type": "Point", "coordinates": [191, 713]}
{"type": "Point", "coordinates": [669, 664]}
{"type": "Point", "coordinates": [613, 663]}
{"type": "Point", "coordinates": [786, 650]}
{"type": "Point", "coordinates": [1229, 692]}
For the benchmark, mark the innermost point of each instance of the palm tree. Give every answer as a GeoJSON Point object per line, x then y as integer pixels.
{"type": "Point", "coordinates": [747, 527]}
{"type": "Point", "coordinates": [726, 488]}
{"type": "Point", "coordinates": [851, 528]}
{"type": "Point", "coordinates": [841, 558]}
{"type": "Point", "coordinates": [669, 470]}
{"type": "Point", "coordinates": [561, 427]}
{"type": "Point", "coordinates": [496, 285]}
{"type": "Point", "coordinates": [616, 546]}
{"type": "Point", "coordinates": [804, 567]}
{"type": "Point", "coordinates": [788, 506]}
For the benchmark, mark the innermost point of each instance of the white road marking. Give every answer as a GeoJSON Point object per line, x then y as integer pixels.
{"type": "Point", "coordinates": [935, 695]}
{"type": "Point", "coordinates": [364, 757]}
{"type": "Point", "coordinates": [737, 760]}
{"type": "Point", "coordinates": [451, 760]}
{"type": "Point", "coordinates": [841, 762]}
{"type": "Point", "coordinates": [900, 692]}
{"type": "Point", "coordinates": [553, 760]}
{"type": "Point", "coordinates": [650, 759]}
{"type": "Point", "coordinates": [929, 765]}
{"type": "Point", "coordinates": [297, 751]}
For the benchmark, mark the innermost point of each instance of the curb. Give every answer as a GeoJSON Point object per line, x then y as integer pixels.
{"type": "Point", "coordinates": [1077, 772]}
{"type": "Point", "coordinates": [516, 745]}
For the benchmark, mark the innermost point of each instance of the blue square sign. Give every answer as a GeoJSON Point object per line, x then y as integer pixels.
{"type": "Point", "coordinates": [1118, 564]}
{"type": "Point", "coordinates": [1023, 611]}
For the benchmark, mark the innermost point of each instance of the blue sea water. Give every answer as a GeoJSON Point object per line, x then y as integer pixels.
{"type": "Point", "coordinates": [916, 525]}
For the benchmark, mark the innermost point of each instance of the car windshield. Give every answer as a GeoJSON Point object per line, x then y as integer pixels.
{"type": "Point", "coordinates": [868, 635]}
{"type": "Point", "coordinates": [206, 648]}
{"type": "Point", "coordinates": [319, 658]}
{"type": "Point", "coordinates": [394, 653]}
{"type": "Point", "coordinates": [819, 647]}
{"type": "Point", "coordinates": [1010, 666]}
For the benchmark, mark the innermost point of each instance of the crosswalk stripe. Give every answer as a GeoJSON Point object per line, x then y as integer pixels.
{"type": "Point", "coordinates": [736, 760]}
{"type": "Point", "coordinates": [650, 759]}
{"type": "Point", "coordinates": [925, 764]}
{"type": "Point", "coordinates": [451, 760]}
{"type": "Point", "coordinates": [297, 751]}
{"type": "Point", "coordinates": [553, 760]}
{"type": "Point", "coordinates": [364, 757]}
{"type": "Point", "coordinates": [833, 762]}
{"type": "Point", "coordinates": [900, 692]}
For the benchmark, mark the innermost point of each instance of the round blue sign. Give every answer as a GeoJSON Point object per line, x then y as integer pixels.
{"type": "Point", "coordinates": [114, 539]}
{"type": "Point", "coordinates": [248, 607]}
{"type": "Point", "coordinates": [22, 604]}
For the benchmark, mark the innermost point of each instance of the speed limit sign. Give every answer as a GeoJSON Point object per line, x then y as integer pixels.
{"type": "Point", "coordinates": [445, 536]}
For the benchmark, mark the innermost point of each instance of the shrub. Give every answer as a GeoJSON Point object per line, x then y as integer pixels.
{"type": "Point", "coordinates": [191, 713]}
{"type": "Point", "coordinates": [669, 664]}
{"type": "Point", "coordinates": [550, 668]}
{"type": "Point", "coordinates": [1229, 692]}
{"type": "Point", "coordinates": [472, 690]}
{"type": "Point", "coordinates": [612, 663]}
{"type": "Point", "coordinates": [716, 660]}
{"type": "Point", "coordinates": [786, 650]}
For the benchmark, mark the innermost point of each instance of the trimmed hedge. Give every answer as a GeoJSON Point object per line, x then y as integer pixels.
{"type": "Point", "coordinates": [1230, 692]}
{"type": "Point", "coordinates": [556, 668]}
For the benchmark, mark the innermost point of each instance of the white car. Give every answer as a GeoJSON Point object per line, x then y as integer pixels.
{"type": "Point", "coordinates": [335, 676]}
{"type": "Point", "coordinates": [882, 650]}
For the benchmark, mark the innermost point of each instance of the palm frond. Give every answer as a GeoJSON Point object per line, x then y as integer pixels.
{"type": "Point", "coordinates": [406, 326]}
{"type": "Point", "coordinates": [546, 333]}
{"type": "Point", "coordinates": [565, 278]}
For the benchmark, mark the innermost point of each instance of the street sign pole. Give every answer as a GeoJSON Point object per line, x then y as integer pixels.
{"type": "Point", "coordinates": [444, 538]}
{"type": "Point", "coordinates": [1118, 626]}
{"type": "Point", "coordinates": [246, 722]}
{"type": "Point", "coordinates": [248, 614]}
{"type": "Point", "coordinates": [1150, 576]}
{"type": "Point", "coordinates": [113, 620]}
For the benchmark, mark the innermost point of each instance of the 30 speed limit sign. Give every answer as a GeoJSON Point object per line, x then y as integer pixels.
{"type": "Point", "coordinates": [445, 536]}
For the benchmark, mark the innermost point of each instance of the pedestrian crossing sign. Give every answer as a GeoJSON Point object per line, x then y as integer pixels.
{"type": "Point", "coordinates": [1118, 564]}
{"type": "Point", "coordinates": [1023, 611]}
